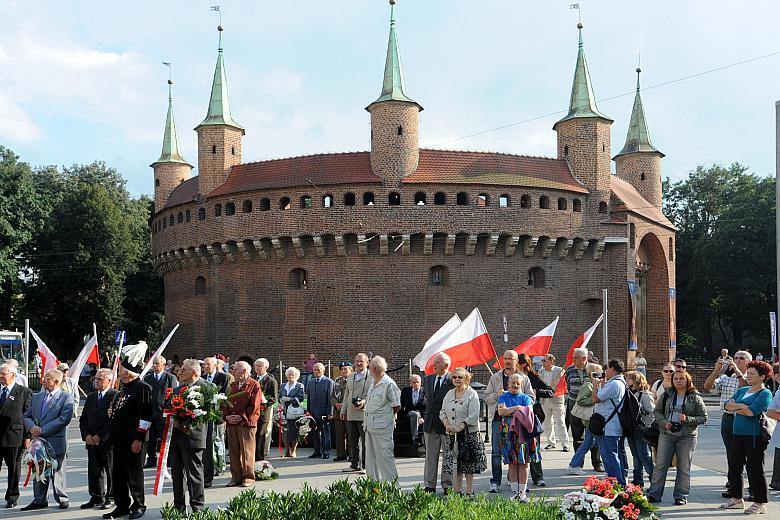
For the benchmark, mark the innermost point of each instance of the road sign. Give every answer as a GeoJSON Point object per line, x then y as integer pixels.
{"type": "Point", "coordinates": [118, 336]}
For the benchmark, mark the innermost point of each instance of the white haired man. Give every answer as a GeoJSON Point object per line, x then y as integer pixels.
{"type": "Point", "coordinates": [241, 416]}
{"type": "Point", "coordinates": [355, 392]}
{"type": "Point", "coordinates": [21, 379]}
{"type": "Point", "coordinates": [382, 403]}
{"type": "Point", "coordinates": [554, 407]}
{"type": "Point", "coordinates": [14, 401]}
{"type": "Point", "coordinates": [436, 386]}
{"type": "Point", "coordinates": [413, 406]}
{"type": "Point", "coordinates": [318, 404]}
{"type": "Point", "coordinates": [576, 375]}
{"type": "Point", "coordinates": [265, 424]}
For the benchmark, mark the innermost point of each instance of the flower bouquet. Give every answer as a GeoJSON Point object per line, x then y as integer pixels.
{"type": "Point", "coordinates": [193, 406]}
{"type": "Point", "coordinates": [305, 424]}
{"type": "Point", "coordinates": [265, 471]}
{"type": "Point", "coordinates": [605, 498]}
{"type": "Point", "coordinates": [40, 461]}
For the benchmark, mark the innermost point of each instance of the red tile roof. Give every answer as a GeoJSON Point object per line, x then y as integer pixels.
{"type": "Point", "coordinates": [635, 203]}
{"type": "Point", "coordinates": [184, 192]}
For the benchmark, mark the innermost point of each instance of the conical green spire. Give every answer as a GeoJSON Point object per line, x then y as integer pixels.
{"type": "Point", "coordinates": [583, 101]}
{"type": "Point", "coordinates": [171, 151]}
{"type": "Point", "coordinates": [638, 138]}
{"type": "Point", "coordinates": [393, 83]}
{"type": "Point", "coordinates": [219, 104]}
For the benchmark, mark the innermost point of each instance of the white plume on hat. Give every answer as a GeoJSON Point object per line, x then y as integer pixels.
{"type": "Point", "coordinates": [135, 354]}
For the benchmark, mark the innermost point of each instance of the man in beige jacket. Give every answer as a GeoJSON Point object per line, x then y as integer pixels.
{"type": "Point", "coordinates": [495, 387]}
{"type": "Point", "coordinates": [355, 392]}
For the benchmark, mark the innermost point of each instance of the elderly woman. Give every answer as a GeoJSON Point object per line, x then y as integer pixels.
{"type": "Point", "coordinates": [460, 416]}
{"type": "Point", "coordinates": [291, 395]}
{"type": "Point", "coordinates": [640, 450]}
{"type": "Point", "coordinates": [747, 445]}
{"type": "Point", "coordinates": [382, 403]}
{"type": "Point", "coordinates": [516, 450]}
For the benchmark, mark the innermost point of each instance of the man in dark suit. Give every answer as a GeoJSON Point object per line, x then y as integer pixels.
{"type": "Point", "coordinates": [14, 402]}
{"type": "Point", "coordinates": [436, 387]}
{"type": "Point", "coordinates": [160, 380]}
{"type": "Point", "coordinates": [95, 426]}
{"type": "Point", "coordinates": [413, 406]}
{"type": "Point", "coordinates": [320, 407]}
{"type": "Point", "coordinates": [187, 448]}
{"type": "Point", "coordinates": [265, 424]}
{"type": "Point", "coordinates": [214, 430]}
{"type": "Point", "coordinates": [47, 417]}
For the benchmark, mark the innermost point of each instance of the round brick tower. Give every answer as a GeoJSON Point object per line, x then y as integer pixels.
{"type": "Point", "coordinates": [171, 169]}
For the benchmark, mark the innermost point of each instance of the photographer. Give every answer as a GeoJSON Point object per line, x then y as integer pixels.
{"type": "Point", "coordinates": [355, 391]}
{"type": "Point", "coordinates": [678, 413]}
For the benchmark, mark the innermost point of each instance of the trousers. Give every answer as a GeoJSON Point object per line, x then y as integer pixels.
{"type": "Point", "coordinates": [555, 420]}
{"type": "Point", "coordinates": [41, 488]}
{"type": "Point", "coordinates": [264, 432]}
{"type": "Point", "coordinates": [670, 446]}
{"type": "Point", "coordinates": [99, 462]}
{"type": "Point", "coordinates": [747, 452]}
{"type": "Point", "coordinates": [12, 457]}
{"type": "Point", "coordinates": [380, 461]}
{"type": "Point", "coordinates": [433, 446]}
{"type": "Point", "coordinates": [640, 451]}
{"type": "Point", "coordinates": [215, 430]}
{"type": "Point", "coordinates": [414, 423]}
{"type": "Point", "coordinates": [127, 477]}
{"type": "Point", "coordinates": [775, 484]}
{"type": "Point", "coordinates": [611, 455]}
{"type": "Point", "coordinates": [340, 437]}
{"type": "Point", "coordinates": [496, 469]}
{"type": "Point", "coordinates": [356, 437]}
{"type": "Point", "coordinates": [322, 437]}
{"type": "Point", "coordinates": [187, 463]}
{"type": "Point", "coordinates": [578, 431]}
{"type": "Point", "coordinates": [155, 434]}
{"type": "Point", "coordinates": [241, 443]}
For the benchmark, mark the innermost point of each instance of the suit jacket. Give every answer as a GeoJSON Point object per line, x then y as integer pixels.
{"type": "Point", "coordinates": [434, 401]}
{"type": "Point", "coordinates": [53, 420]}
{"type": "Point", "coordinates": [246, 403]}
{"type": "Point", "coordinates": [220, 379]}
{"type": "Point", "coordinates": [318, 397]}
{"type": "Point", "coordinates": [406, 401]}
{"type": "Point", "coordinates": [12, 430]}
{"type": "Point", "coordinates": [271, 392]}
{"type": "Point", "coordinates": [195, 438]}
{"type": "Point", "coordinates": [167, 380]}
{"type": "Point", "coordinates": [94, 418]}
{"type": "Point", "coordinates": [352, 390]}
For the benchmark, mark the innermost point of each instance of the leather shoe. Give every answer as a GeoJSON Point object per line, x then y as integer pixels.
{"type": "Point", "coordinates": [90, 505]}
{"type": "Point", "coordinates": [208, 485]}
{"type": "Point", "coordinates": [430, 490]}
{"type": "Point", "coordinates": [315, 456]}
{"type": "Point", "coordinates": [652, 499]}
{"type": "Point", "coordinates": [150, 464]}
{"type": "Point", "coordinates": [10, 504]}
{"type": "Point", "coordinates": [32, 506]}
{"type": "Point", "coordinates": [138, 513]}
{"type": "Point", "coordinates": [680, 501]}
{"type": "Point", "coordinates": [726, 494]}
{"type": "Point", "coordinates": [325, 456]}
{"type": "Point", "coordinates": [340, 459]}
{"type": "Point", "coordinates": [116, 513]}
{"type": "Point", "coordinates": [64, 505]}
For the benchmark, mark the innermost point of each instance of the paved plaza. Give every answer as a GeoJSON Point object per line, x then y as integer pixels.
{"type": "Point", "coordinates": [708, 475]}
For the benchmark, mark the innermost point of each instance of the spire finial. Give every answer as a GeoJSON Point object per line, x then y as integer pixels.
{"type": "Point", "coordinates": [218, 9]}
{"type": "Point", "coordinates": [392, 12]}
{"type": "Point", "coordinates": [171, 150]}
{"type": "Point", "coordinates": [638, 67]}
{"type": "Point", "coordinates": [638, 136]}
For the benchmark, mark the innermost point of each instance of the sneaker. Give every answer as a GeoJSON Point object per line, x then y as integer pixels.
{"type": "Point", "coordinates": [540, 483]}
{"type": "Point", "coordinates": [493, 488]}
{"type": "Point", "coordinates": [522, 497]}
{"type": "Point", "coordinates": [575, 471]}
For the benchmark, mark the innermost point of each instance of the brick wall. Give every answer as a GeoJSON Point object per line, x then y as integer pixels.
{"type": "Point", "coordinates": [219, 148]}
{"type": "Point", "coordinates": [585, 143]}
{"type": "Point", "coordinates": [395, 149]}
{"type": "Point", "coordinates": [168, 176]}
{"type": "Point", "coordinates": [631, 167]}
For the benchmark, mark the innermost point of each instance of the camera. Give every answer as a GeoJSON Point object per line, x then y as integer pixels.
{"type": "Point", "coordinates": [598, 375]}
{"type": "Point", "coordinates": [357, 402]}
{"type": "Point", "coordinates": [675, 427]}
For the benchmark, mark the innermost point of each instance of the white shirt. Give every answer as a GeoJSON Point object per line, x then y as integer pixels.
{"type": "Point", "coordinates": [10, 387]}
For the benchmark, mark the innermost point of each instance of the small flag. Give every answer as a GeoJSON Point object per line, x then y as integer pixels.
{"type": "Point", "coordinates": [536, 345]}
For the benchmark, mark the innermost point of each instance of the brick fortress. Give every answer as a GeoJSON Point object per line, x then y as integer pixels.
{"type": "Point", "coordinates": [374, 251]}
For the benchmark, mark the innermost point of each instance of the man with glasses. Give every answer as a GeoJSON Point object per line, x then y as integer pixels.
{"type": "Point", "coordinates": [160, 381]}
{"type": "Point", "coordinates": [732, 379]}
{"type": "Point", "coordinates": [95, 425]}
{"type": "Point", "coordinates": [576, 375]}
{"type": "Point", "coordinates": [680, 365]}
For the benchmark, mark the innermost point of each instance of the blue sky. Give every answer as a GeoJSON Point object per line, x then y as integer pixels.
{"type": "Point", "coordinates": [83, 81]}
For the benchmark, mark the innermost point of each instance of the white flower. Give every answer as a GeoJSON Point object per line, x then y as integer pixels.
{"type": "Point", "coordinates": [198, 412]}
{"type": "Point", "coordinates": [217, 398]}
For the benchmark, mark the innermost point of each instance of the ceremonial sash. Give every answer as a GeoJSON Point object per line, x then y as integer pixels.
{"type": "Point", "coordinates": [162, 460]}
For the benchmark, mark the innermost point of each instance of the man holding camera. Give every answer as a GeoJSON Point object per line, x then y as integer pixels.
{"type": "Point", "coordinates": [355, 392]}
{"type": "Point", "coordinates": [609, 388]}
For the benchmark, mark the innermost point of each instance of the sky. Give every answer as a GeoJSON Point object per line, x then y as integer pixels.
{"type": "Point", "coordinates": [83, 81]}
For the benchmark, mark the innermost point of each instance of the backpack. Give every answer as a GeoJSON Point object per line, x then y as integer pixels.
{"type": "Point", "coordinates": [630, 414]}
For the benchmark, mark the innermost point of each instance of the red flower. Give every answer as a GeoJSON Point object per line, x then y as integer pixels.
{"type": "Point", "coordinates": [630, 512]}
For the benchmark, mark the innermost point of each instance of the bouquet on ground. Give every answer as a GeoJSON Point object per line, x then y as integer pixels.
{"type": "Point", "coordinates": [605, 498]}
{"type": "Point", "coordinates": [194, 406]}
{"type": "Point", "coordinates": [264, 470]}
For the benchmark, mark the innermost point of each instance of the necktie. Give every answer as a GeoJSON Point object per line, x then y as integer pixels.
{"type": "Point", "coordinates": [438, 384]}
{"type": "Point", "coordinates": [3, 395]}
{"type": "Point", "coordinates": [45, 402]}
{"type": "Point", "coordinates": [100, 398]}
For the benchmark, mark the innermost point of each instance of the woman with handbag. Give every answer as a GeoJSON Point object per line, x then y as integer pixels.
{"type": "Point", "coordinates": [291, 395]}
{"type": "Point", "coordinates": [583, 410]}
{"type": "Point", "coordinates": [748, 445]}
{"type": "Point", "coordinates": [640, 450]}
{"type": "Point", "coordinates": [464, 448]}
{"type": "Point", "coordinates": [517, 449]}
{"type": "Point", "coordinates": [774, 413]}
{"type": "Point", "coordinates": [678, 413]}
{"type": "Point", "coordinates": [542, 391]}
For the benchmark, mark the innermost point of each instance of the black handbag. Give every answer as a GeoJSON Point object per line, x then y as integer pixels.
{"type": "Point", "coordinates": [766, 426]}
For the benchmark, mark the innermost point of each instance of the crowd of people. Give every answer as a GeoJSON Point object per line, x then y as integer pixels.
{"type": "Point", "coordinates": [358, 412]}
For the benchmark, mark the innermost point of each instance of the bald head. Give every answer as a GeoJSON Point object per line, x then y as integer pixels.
{"type": "Point", "coordinates": [510, 361]}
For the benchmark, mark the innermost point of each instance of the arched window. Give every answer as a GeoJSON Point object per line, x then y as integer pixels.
{"type": "Point", "coordinates": [349, 199]}
{"type": "Point", "coordinates": [265, 204]}
{"type": "Point", "coordinates": [562, 204]}
{"type": "Point", "coordinates": [400, 130]}
{"type": "Point", "coordinates": [368, 198]}
{"type": "Point", "coordinates": [213, 148]}
{"type": "Point", "coordinates": [157, 183]}
{"type": "Point", "coordinates": [643, 175]}
{"type": "Point", "coordinates": [544, 202]}
{"type": "Point", "coordinates": [200, 285]}
{"type": "Point", "coordinates": [284, 203]}
{"type": "Point", "coordinates": [462, 199]}
{"type": "Point", "coordinates": [246, 207]}
{"type": "Point", "coordinates": [419, 198]}
{"type": "Point", "coordinates": [671, 249]}
{"type": "Point", "coordinates": [165, 222]}
{"type": "Point", "coordinates": [218, 210]}
{"type": "Point", "coordinates": [438, 276]}
{"type": "Point", "coordinates": [232, 150]}
{"type": "Point", "coordinates": [440, 198]}
{"type": "Point", "coordinates": [503, 201]}
{"type": "Point", "coordinates": [536, 278]}
{"type": "Point", "coordinates": [525, 201]}
{"type": "Point", "coordinates": [306, 202]}
{"type": "Point", "coordinates": [327, 200]}
{"type": "Point", "coordinates": [298, 279]}
{"type": "Point", "coordinates": [483, 199]}
{"type": "Point", "coordinates": [566, 150]}
{"type": "Point", "coordinates": [187, 216]}
{"type": "Point", "coordinates": [394, 198]}
{"type": "Point", "coordinates": [576, 205]}
{"type": "Point", "coordinates": [602, 207]}
{"type": "Point", "coordinates": [171, 221]}
{"type": "Point", "coordinates": [201, 213]}
{"type": "Point", "coordinates": [230, 208]}
{"type": "Point", "coordinates": [180, 218]}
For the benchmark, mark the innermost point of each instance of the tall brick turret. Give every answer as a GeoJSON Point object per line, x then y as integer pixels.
{"type": "Point", "coordinates": [584, 134]}
{"type": "Point", "coordinates": [171, 169]}
{"type": "Point", "coordinates": [639, 162]}
{"type": "Point", "coordinates": [395, 140]}
{"type": "Point", "coordinates": [219, 136]}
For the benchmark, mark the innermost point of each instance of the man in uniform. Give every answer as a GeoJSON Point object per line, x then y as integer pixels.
{"type": "Point", "coordinates": [337, 400]}
{"type": "Point", "coordinates": [265, 423]}
{"type": "Point", "coordinates": [160, 381]}
{"type": "Point", "coordinates": [355, 392]}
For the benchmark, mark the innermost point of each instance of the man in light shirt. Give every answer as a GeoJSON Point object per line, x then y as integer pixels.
{"type": "Point", "coordinates": [554, 407]}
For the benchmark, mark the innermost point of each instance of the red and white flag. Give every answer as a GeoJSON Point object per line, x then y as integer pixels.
{"type": "Point", "coordinates": [89, 354]}
{"type": "Point", "coordinates": [48, 359]}
{"type": "Point", "coordinates": [434, 344]}
{"type": "Point", "coordinates": [581, 341]}
{"type": "Point", "coordinates": [536, 345]}
{"type": "Point", "coordinates": [468, 345]}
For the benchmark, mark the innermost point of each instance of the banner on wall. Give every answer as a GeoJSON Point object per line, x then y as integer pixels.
{"type": "Point", "coordinates": [672, 317]}
{"type": "Point", "coordinates": [633, 291]}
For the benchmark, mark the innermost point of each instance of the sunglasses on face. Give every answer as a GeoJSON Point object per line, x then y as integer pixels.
{"type": "Point", "coordinates": [740, 357]}
{"type": "Point", "coordinates": [668, 371]}
{"type": "Point", "coordinates": [457, 377]}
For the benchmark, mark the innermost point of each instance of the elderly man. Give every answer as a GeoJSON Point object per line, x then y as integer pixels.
{"type": "Point", "coordinates": [265, 424]}
{"type": "Point", "coordinates": [187, 447]}
{"type": "Point", "coordinates": [216, 431]}
{"type": "Point", "coordinates": [70, 386]}
{"type": "Point", "coordinates": [608, 393]}
{"type": "Point", "coordinates": [47, 418]}
{"type": "Point", "coordinates": [355, 392]}
{"type": "Point", "coordinates": [160, 381]}
{"type": "Point", "coordinates": [337, 400]}
{"type": "Point", "coordinates": [497, 385]}
{"type": "Point", "coordinates": [577, 374]}
{"type": "Point", "coordinates": [318, 404]}
{"type": "Point", "coordinates": [554, 407]}
{"type": "Point", "coordinates": [14, 402]}
{"type": "Point", "coordinates": [21, 379]}
{"type": "Point", "coordinates": [95, 426]}
{"type": "Point", "coordinates": [382, 403]}
{"type": "Point", "coordinates": [436, 387]}
{"type": "Point", "coordinates": [413, 406]}
{"type": "Point", "coordinates": [241, 416]}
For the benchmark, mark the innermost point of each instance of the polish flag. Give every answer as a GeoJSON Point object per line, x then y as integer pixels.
{"type": "Point", "coordinates": [48, 359]}
{"type": "Point", "coordinates": [536, 345]}
{"type": "Point", "coordinates": [89, 354]}
{"type": "Point", "coordinates": [581, 341]}
{"type": "Point", "coordinates": [434, 344]}
{"type": "Point", "coordinates": [468, 345]}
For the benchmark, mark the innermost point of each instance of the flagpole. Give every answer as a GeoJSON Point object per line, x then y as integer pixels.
{"type": "Point", "coordinates": [605, 330]}
{"type": "Point", "coordinates": [27, 348]}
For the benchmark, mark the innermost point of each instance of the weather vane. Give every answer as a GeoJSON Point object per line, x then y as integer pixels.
{"type": "Point", "coordinates": [168, 64]}
{"type": "Point", "coordinates": [219, 10]}
{"type": "Point", "coordinates": [579, 12]}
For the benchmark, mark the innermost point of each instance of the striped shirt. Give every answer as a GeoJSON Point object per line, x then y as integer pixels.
{"type": "Point", "coordinates": [575, 378]}
{"type": "Point", "coordinates": [727, 386]}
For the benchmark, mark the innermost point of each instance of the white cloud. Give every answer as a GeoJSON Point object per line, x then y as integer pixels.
{"type": "Point", "coordinates": [15, 123]}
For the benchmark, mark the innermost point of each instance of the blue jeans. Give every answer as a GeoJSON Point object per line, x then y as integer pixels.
{"type": "Point", "coordinates": [642, 459]}
{"type": "Point", "coordinates": [612, 457]}
{"type": "Point", "coordinates": [495, 452]}
{"type": "Point", "coordinates": [578, 460]}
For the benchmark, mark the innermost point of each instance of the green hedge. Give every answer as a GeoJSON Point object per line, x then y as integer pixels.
{"type": "Point", "coordinates": [367, 499]}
